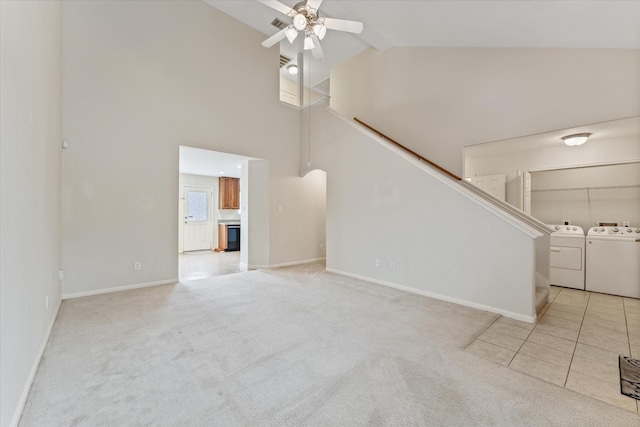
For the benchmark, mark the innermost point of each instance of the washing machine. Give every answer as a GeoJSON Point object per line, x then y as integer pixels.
{"type": "Point", "coordinates": [613, 261]}
{"type": "Point", "coordinates": [567, 259]}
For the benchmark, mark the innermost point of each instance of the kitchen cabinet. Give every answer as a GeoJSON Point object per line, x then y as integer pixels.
{"type": "Point", "coordinates": [228, 237]}
{"type": "Point", "coordinates": [229, 193]}
{"type": "Point", "coordinates": [222, 237]}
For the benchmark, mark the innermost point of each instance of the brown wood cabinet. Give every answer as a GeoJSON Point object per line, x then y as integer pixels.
{"type": "Point", "coordinates": [229, 193]}
{"type": "Point", "coordinates": [222, 237]}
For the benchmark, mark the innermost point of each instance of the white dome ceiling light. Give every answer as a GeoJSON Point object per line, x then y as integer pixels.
{"type": "Point", "coordinates": [292, 69]}
{"type": "Point", "coordinates": [306, 18]}
{"type": "Point", "coordinates": [576, 139]}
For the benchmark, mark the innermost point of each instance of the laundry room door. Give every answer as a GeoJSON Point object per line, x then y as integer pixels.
{"type": "Point", "coordinates": [492, 184]}
{"type": "Point", "coordinates": [198, 218]}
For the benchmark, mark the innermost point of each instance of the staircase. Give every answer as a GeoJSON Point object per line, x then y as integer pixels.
{"type": "Point", "coordinates": [381, 215]}
{"type": "Point", "coordinates": [542, 286]}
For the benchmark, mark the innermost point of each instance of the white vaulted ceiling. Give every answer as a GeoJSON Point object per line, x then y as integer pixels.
{"type": "Point", "coordinates": [532, 24]}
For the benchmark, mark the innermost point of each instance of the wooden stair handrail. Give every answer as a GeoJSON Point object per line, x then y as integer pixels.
{"type": "Point", "coordinates": [435, 165]}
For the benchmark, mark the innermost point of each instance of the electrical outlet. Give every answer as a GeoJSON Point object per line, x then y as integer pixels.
{"type": "Point", "coordinates": [137, 266]}
{"type": "Point", "coordinates": [61, 275]}
{"type": "Point", "coordinates": [377, 262]}
{"type": "Point", "coordinates": [321, 245]}
{"type": "Point", "coordinates": [46, 302]}
{"type": "Point", "coordinates": [392, 265]}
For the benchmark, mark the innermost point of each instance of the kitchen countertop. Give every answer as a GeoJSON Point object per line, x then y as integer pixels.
{"type": "Point", "coordinates": [229, 221]}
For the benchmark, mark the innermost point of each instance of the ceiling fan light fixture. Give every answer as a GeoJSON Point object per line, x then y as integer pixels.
{"type": "Point", "coordinates": [300, 22]}
{"type": "Point", "coordinates": [305, 18]}
{"type": "Point", "coordinates": [320, 30]}
{"type": "Point", "coordinates": [308, 43]}
{"type": "Point", "coordinates": [576, 139]}
{"type": "Point", "coordinates": [291, 33]}
{"type": "Point", "coordinates": [292, 69]}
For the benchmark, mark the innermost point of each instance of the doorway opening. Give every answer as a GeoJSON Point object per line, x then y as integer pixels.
{"type": "Point", "coordinates": [209, 213]}
{"type": "Point", "coordinates": [303, 79]}
{"type": "Point", "coordinates": [585, 196]}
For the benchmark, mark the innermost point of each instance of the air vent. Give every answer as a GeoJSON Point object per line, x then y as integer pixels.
{"type": "Point", "coordinates": [284, 60]}
{"type": "Point", "coordinates": [279, 24]}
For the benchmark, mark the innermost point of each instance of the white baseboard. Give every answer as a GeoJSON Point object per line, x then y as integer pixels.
{"type": "Point", "coordinates": [505, 313]}
{"type": "Point", "coordinates": [32, 374]}
{"type": "Point", "coordinates": [118, 289]}
{"type": "Point", "coordinates": [285, 264]}
{"type": "Point", "coordinates": [244, 266]}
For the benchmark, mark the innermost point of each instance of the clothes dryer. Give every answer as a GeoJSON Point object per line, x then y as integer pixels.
{"type": "Point", "coordinates": [567, 265]}
{"type": "Point", "coordinates": [613, 261]}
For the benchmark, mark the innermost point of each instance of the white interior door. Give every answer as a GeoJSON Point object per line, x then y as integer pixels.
{"type": "Point", "coordinates": [492, 184]}
{"type": "Point", "coordinates": [198, 218]}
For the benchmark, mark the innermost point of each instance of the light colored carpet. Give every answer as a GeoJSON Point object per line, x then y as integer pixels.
{"type": "Point", "coordinates": [294, 346]}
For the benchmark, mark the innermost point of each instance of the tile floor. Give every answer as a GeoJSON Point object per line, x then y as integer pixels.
{"type": "Point", "coordinates": [203, 264]}
{"type": "Point", "coordinates": [575, 344]}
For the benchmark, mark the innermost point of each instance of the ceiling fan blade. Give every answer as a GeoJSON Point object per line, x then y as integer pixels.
{"type": "Point", "coordinates": [274, 38]}
{"type": "Point", "coordinates": [282, 8]}
{"type": "Point", "coordinates": [343, 25]}
{"type": "Point", "coordinates": [317, 51]}
{"type": "Point", "coordinates": [314, 4]}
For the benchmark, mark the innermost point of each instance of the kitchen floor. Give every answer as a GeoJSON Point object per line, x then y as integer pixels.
{"type": "Point", "coordinates": [575, 344]}
{"type": "Point", "coordinates": [203, 264]}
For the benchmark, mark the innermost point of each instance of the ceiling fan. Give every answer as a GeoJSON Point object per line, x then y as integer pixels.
{"type": "Point", "coordinates": [305, 18]}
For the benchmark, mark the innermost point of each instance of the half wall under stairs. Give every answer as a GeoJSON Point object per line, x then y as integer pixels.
{"type": "Point", "coordinates": [393, 220]}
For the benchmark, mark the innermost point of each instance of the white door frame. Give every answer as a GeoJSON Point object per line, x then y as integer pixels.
{"type": "Point", "coordinates": [524, 180]}
{"type": "Point", "coordinates": [524, 191]}
{"type": "Point", "coordinates": [255, 183]}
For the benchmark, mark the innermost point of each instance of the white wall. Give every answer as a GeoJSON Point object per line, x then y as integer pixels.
{"type": "Point", "coordinates": [228, 214]}
{"type": "Point", "coordinates": [587, 207]}
{"type": "Point", "coordinates": [254, 202]}
{"type": "Point", "coordinates": [380, 205]}
{"type": "Point", "coordinates": [310, 204]}
{"type": "Point", "coordinates": [31, 117]}
{"type": "Point", "coordinates": [438, 100]}
{"type": "Point", "coordinates": [140, 79]}
{"type": "Point", "coordinates": [289, 92]}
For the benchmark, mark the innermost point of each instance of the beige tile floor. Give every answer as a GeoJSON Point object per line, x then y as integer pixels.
{"type": "Point", "coordinates": [203, 264]}
{"type": "Point", "coordinates": [575, 344]}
